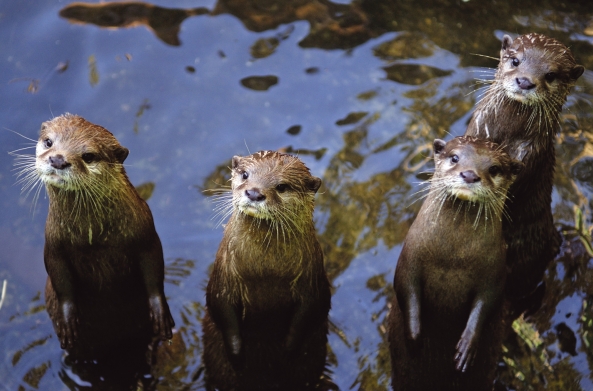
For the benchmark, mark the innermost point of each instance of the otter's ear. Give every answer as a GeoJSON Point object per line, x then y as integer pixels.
{"type": "Point", "coordinates": [236, 161]}
{"type": "Point", "coordinates": [313, 184]}
{"type": "Point", "coordinates": [516, 167]}
{"type": "Point", "coordinates": [576, 72]}
{"type": "Point", "coordinates": [438, 146]}
{"type": "Point", "coordinates": [507, 41]}
{"type": "Point", "coordinates": [121, 154]}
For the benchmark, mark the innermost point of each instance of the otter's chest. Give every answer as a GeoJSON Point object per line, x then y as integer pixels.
{"type": "Point", "coordinates": [102, 263]}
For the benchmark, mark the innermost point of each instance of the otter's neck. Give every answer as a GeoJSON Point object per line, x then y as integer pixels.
{"type": "Point", "coordinates": [83, 216]}
{"type": "Point", "coordinates": [264, 247]}
{"type": "Point", "coordinates": [453, 216]}
{"type": "Point", "coordinates": [514, 125]}
{"type": "Point", "coordinates": [265, 236]}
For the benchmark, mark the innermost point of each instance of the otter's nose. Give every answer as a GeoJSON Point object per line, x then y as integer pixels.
{"type": "Point", "coordinates": [524, 83]}
{"type": "Point", "coordinates": [58, 162]}
{"type": "Point", "coordinates": [469, 176]}
{"type": "Point", "coordinates": [255, 195]}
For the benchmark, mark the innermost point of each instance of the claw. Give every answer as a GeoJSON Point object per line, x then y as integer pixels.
{"type": "Point", "coordinates": [160, 316]}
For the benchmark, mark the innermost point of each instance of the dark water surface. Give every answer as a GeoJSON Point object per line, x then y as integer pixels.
{"type": "Point", "coordinates": [358, 89]}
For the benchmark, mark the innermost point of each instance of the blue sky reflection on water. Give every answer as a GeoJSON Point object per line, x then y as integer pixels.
{"type": "Point", "coordinates": [183, 113]}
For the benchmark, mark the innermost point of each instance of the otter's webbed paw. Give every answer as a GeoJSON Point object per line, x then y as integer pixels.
{"type": "Point", "coordinates": [160, 316]}
{"type": "Point", "coordinates": [67, 325]}
{"type": "Point", "coordinates": [466, 350]}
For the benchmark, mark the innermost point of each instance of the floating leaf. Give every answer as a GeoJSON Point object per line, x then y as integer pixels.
{"type": "Point", "coordinates": [145, 190]}
{"type": "Point", "coordinates": [294, 130]}
{"type": "Point", "coordinates": [264, 47]}
{"type": "Point", "coordinates": [93, 73]}
{"type": "Point", "coordinates": [259, 83]}
{"type": "Point", "coordinates": [62, 67]}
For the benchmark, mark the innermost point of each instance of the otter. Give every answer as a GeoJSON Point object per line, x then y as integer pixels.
{"type": "Point", "coordinates": [445, 325]}
{"type": "Point", "coordinates": [521, 111]}
{"type": "Point", "coordinates": [268, 295]}
{"type": "Point", "coordinates": [104, 291]}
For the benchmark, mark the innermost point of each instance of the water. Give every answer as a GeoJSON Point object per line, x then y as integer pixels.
{"type": "Point", "coordinates": [358, 89]}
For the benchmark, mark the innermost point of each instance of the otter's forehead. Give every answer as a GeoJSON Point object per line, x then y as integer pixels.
{"type": "Point", "coordinates": [542, 48]}
{"type": "Point", "coordinates": [542, 41]}
{"type": "Point", "coordinates": [272, 161]}
{"type": "Point", "coordinates": [474, 143]}
{"type": "Point", "coordinates": [69, 126]}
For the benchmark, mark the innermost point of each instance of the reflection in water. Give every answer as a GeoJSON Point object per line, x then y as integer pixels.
{"type": "Point", "coordinates": [332, 25]}
{"type": "Point", "coordinates": [123, 371]}
{"type": "Point", "coordinates": [164, 22]}
{"type": "Point", "coordinates": [567, 341]}
{"type": "Point", "coordinates": [413, 74]}
{"type": "Point", "coordinates": [317, 153]}
{"type": "Point", "coordinates": [406, 45]}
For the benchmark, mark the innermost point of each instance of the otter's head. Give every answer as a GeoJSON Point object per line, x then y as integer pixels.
{"type": "Point", "coordinates": [537, 70]}
{"type": "Point", "coordinates": [74, 154]}
{"type": "Point", "coordinates": [474, 170]}
{"type": "Point", "coordinates": [273, 186]}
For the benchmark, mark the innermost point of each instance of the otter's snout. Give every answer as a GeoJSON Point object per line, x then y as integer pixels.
{"type": "Point", "coordinates": [254, 195]}
{"type": "Point", "coordinates": [524, 83]}
{"type": "Point", "coordinates": [469, 176]}
{"type": "Point", "coordinates": [58, 162]}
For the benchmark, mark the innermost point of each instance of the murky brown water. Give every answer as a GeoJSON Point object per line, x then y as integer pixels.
{"type": "Point", "coordinates": [358, 89]}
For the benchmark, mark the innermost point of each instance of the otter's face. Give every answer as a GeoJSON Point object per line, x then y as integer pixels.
{"type": "Point", "coordinates": [473, 170]}
{"type": "Point", "coordinates": [537, 70]}
{"type": "Point", "coordinates": [71, 151]}
{"type": "Point", "coordinates": [274, 186]}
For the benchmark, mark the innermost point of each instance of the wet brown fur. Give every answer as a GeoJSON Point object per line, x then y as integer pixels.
{"type": "Point", "coordinates": [268, 295]}
{"type": "Point", "coordinates": [526, 124]}
{"type": "Point", "coordinates": [104, 260]}
{"type": "Point", "coordinates": [445, 325]}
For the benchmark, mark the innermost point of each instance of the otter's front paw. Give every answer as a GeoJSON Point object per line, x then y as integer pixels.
{"type": "Point", "coordinates": [292, 340]}
{"type": "Point", "coordinates": [234, 350]}
{"type": "Point", "coordinates": [67, 325]}
{"type": "Point", "coordinates": [160, 316]}
{"type": "Point", "coordinates": [413, 339]}
{"type": "Point", "coordinates": [466, 351]}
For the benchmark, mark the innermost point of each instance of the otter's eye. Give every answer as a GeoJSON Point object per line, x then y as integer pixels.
{"type": "Point", "coordinates": [550, 76]}
{"type": "Point", "coordinates": [494, 170]}
{"type": "Point", "coordinates": [245, 175]}
{"type": "Point", "coordinates": [89, 157]}
{"type": "Point", "coordinates": [454, 159]}
{"type": "Point", "coordinates": [47, 143]}
{"type": "Point", "coordinates": [515, 62]}
{"type": "Point", "coordinates": [282, 187]}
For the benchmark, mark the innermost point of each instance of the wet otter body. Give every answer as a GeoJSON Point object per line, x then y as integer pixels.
{"type": "Point", "coordinates": [103, 257]}
{"type": "Point", "coordinates": [445, 324]}
{"type": "Point", "coordinates": [521, 111]}
{"type": "Point", "coordinates": [268, 295]}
